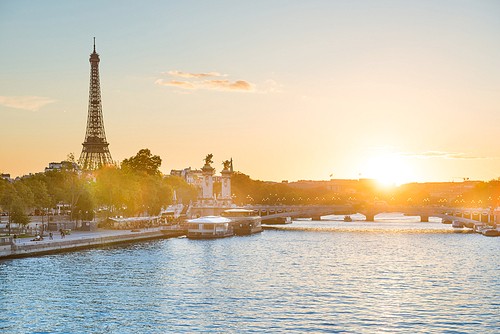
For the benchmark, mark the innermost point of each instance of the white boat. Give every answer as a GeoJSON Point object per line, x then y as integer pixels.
{"type": "Point", "coordinates": [244, 221]}
{"type": "Point", "coordinates": [209, 227]}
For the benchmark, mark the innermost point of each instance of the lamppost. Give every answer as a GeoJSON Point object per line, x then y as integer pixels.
{"type": "Point", "coordinates": [10, 217]}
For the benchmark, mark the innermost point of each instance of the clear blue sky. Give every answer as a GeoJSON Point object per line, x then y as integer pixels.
{"type": "Point", "coordinates": [398, 90]}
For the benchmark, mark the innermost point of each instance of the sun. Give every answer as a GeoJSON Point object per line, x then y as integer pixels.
{"type": "Point", "coordinates": [388, 169]}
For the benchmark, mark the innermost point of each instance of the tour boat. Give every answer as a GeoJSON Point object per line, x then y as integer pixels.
{"type": "Point", "coordinates": [457, 224]}
{"type": "Point", "coordinates": [244, 221]}
{"type": "Point", "coordinates": [209, 227]}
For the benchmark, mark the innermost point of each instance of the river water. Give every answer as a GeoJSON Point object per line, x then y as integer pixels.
{"type": "Point", "coordinates": [390, 276]}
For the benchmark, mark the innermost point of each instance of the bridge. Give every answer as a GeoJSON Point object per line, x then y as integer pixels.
{"type": "Point", "coordinates": [315, 212]}
{"type": "Point", "coordinates": [273, 212]}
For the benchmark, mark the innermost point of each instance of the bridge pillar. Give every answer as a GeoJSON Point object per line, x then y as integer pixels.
{"type": "Point", "coordinates": [424, 219]}
{"type": "Point", "coordinates": [370, 217]}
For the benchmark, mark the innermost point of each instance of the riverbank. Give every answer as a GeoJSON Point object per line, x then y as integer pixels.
{"type": "Point", "coordinates": [80, 240]}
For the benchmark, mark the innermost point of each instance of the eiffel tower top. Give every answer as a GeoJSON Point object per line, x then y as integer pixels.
{"type": "Point", "coordinates": [94, 56]}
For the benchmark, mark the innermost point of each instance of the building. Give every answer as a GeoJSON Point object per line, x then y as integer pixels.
{"type": "Point", "coordinates": [61, 165]}
{"type": "Point", "coordinates": [340, 186]}
{"type": "Point", "coordinates": [445, 190]}
{"type": "Point", "coordinates": [191, 176]}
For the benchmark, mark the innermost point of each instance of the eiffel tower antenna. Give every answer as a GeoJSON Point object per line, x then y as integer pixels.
{"type": "Point", "coordinates": [95, 152]}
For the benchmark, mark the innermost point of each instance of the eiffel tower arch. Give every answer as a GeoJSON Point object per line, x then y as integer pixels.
{"type": "Point", "coordinates": [95, 152]}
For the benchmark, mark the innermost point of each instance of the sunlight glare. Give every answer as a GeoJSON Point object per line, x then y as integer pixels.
{"type": "Point", "coordinates": [388, 169]}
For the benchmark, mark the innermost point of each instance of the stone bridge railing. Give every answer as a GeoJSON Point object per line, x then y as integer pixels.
{"type": "Point", "coordinates": [316, 211]}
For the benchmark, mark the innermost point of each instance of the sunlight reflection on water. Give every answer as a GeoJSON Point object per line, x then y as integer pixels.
{"type": "Point", "coordinates": [413, 277]}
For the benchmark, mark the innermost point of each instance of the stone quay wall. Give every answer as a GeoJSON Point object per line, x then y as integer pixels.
{"type": "Point", "coordinates": [14, 250]}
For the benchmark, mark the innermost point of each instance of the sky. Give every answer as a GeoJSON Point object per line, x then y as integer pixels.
{"type": "Point", "coordinates": [401, 91]}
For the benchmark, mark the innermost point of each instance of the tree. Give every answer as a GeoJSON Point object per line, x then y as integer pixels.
{"type": "Point", "coordinates": [18, 213]}
{"type": "Point", "coordinates": [184, 191]}
{"type": "Point", "coordinates": [155, 195]}
{"type": "Point", "coordinates": [111, 189]}
{"type": "Point", "coordinates": [84, 208]}
{"type": "Point", "coordinates": [143, 161]}
{"type": "Point", "coordinates": [38, 188]}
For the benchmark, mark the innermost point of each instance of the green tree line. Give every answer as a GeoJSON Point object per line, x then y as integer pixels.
{"type": "Point", "coordinates": [248, 191]}
{"type": "Point", "coordinates": [136, 187]}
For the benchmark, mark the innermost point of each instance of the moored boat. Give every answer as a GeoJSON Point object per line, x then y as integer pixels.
{"type": "Point", "coordinates": [479, 227]}
{"type": "Point", "coordinates": [279, 221]}
{"type": "Point", "coordinates": [490, 232]}
{"type": "Point", "coordinates": [457, 224]}
{"type": "Point", "coordinates": [244, 221]}
{"type": "Point", "coordinates": [209, 227]}
{"type": "Point", "coordinates": [468, 224]}
{"type": "Point", "coordinates": [347, 219]}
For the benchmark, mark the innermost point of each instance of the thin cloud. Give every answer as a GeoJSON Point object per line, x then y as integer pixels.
{"type": "Point", "coordinates": [193, 75]}
{"type": "Point", "coordinates": [226, 84]}
{"type": "Point", "coordinates": [272, 86]}
{"type": "Point", "coordinates": [25, 102]}
{"type": "Point", "coordinates": [444, 155]}
{"type": "Point", "coordinates": [238, 85]}
{"type": "Point", "coordinates": [183, 84]}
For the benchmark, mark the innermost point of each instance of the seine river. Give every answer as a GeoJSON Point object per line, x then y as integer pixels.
{"type": "Point", "coordinates": [391, 276]}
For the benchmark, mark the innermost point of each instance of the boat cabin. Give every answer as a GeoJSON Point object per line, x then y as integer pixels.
{"type": "Point", "coordinates": [209, 227]}
{"type": "Point", "coordinates": [244, 221]}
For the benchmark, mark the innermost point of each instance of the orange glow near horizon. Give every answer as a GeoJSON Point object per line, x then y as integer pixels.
{"type": "Point", "coordinates": [388, 169]}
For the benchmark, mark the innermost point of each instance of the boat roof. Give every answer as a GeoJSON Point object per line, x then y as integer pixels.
{"type": "Point", "coordinates": [210, 219]}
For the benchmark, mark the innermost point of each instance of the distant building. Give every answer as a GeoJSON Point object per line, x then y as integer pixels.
{"type": "Point", "coordinates": [7, 177]}
{"type": "Point", "coordinates": [340, 186]}
{"type": "Point", "coordinates": [191, 176]}
{"type": "Point", "coordinates": [61, 165]}
{"type": "Point", "coordinates": [448, 190]}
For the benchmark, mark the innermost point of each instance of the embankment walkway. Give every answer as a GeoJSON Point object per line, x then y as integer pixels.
{"type": "Point", "coordinates": [81, 239]}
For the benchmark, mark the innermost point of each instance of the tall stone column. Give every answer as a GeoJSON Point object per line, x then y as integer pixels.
{"type": "Point", "coordinates": [208, 182]}
{"type": "Point", "coordinates": [226, 185]}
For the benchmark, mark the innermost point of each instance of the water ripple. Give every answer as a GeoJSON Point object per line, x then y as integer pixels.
{"type": "Point", "coordinates": [280, 281]}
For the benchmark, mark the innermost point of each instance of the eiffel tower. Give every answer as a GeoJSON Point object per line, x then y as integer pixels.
{"type": "Point", "coordinates": [95, 152]}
